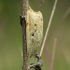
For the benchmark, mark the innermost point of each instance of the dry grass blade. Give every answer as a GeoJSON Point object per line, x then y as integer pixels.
{"type": "Point", "coordinates": [53, 54]}
{"type": "Point", "coordinates": [47, 30]}
{"type": "Point", "coordinates": [67, 12]}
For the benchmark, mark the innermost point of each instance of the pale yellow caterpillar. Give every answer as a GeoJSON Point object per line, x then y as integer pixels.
{"type": "Point", "coordinates": [34, 31]}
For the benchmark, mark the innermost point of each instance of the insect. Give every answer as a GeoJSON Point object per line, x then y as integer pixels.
{"type": "Point", "coordinates": [34, 34]}
{"type": "Point", "coordinates": [38, 65]}
{"type": "Point", "coordinates": [34, 31]}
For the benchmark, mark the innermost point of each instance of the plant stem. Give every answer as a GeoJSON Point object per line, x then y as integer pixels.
{"type": "Point", "coordinates": [24, 5]}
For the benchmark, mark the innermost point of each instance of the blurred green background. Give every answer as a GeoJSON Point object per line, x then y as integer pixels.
{"type": "Point", "coordinates": [11, 34]}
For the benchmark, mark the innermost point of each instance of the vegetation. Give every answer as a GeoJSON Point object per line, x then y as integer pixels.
{"type": "Point", "coordinates": [11, 34]}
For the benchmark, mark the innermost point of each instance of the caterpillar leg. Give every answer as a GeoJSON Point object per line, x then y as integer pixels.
{"type": "Point", "coordinates": [38, 65]}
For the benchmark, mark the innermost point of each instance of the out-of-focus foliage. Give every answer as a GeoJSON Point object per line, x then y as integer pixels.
{"type": "Point", "coordinates": [11, 34]}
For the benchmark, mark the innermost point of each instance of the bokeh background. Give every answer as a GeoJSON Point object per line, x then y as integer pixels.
{"type": "Point", "coordinates": [11, 34]}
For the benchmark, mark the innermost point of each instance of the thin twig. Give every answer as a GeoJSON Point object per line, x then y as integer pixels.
{"type": "Point", "coordinates": [24, 7]}
{"type": "Point", "coordinates": [47, 30]}
{"type": "Point", "coordinates": [53, 53]}
{"type": "Point", "coordinates": [24, 14]}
